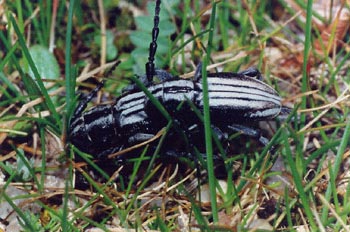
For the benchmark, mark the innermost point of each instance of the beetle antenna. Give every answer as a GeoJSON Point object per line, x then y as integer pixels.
{"type": "Point", "coordinates": [150, 67]}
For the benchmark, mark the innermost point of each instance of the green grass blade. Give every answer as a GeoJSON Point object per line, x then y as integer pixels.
{"type": "Point", "coordinates": [39, 82]}
{"type": "Point", "coordinates": [43, 161]}
{"type": "Point", "coordinates": [206, 115]}
{"type": "Point", "coordinates": [305, 85]}
{"type": "Point", "coordinates": [299, 183]}
{"type": "Point", "coordinates": [20, 8]}
{"type": "Point", "coordinates": [336, 166]}
{"type": "Point", "coordinates": [64, 218]}
{"type": "Point", "coordinates": [38, 28]}
{"type": "Point", "coordinates": [70, 78]}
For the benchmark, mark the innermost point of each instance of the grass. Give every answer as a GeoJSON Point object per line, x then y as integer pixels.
{"type": "Point", "coordinates": [304, 184]}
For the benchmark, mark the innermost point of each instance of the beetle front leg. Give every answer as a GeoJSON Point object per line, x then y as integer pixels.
{"type": "Point", "coordinates": [83, 103]}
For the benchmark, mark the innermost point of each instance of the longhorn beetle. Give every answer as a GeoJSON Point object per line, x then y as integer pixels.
{"type": "Point", "coordinates": [235, 100]}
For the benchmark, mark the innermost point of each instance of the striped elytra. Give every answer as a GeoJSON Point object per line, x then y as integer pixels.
{"type": "Point", "coordinates": [245, 98]}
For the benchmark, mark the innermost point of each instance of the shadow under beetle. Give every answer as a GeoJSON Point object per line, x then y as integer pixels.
{"type": "Point", "coordinates": [236, 100]}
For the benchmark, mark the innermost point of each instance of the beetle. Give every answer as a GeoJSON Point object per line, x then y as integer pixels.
{"type": "Point", "coordinates": [235, 100]}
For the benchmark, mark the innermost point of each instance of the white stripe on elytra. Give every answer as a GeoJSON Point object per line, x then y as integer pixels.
{"type": "Point", "coordinates": [225, 84]}
{"type": "Point", "coordinates": [264, 113]}
{"type": "Point", "coordinates": [238, 82]}
{"type": "Point", "coordinates": [243, 89]}
{"type": "Point", "coordinates": [239, 104]}
{"type": "Point", "coordinates": [244, 96]}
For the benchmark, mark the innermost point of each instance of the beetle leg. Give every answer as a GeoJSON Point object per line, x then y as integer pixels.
{"type": "Point", "coordinates": [83, 103]}
{"type": "Point", "coordinates": [198, 72]}
{"type": "Point", "coordinates": [219, 133]}
{"type": "Point", "coordinates": [252, 72]}
{"type": "Point", "coordinates": [255, 133]}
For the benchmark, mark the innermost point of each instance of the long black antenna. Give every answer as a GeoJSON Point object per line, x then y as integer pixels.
{"type": "Point", "coordinates": [150, 68]}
